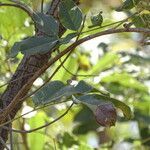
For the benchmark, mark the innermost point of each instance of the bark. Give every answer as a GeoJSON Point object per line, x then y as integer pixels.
{"type": "Point", "coordinates": [29, 65]}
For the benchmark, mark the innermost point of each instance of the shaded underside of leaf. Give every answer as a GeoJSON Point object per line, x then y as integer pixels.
{"type": "Point", "coordinates": [96, 99]}
{"type": "Point", "coordinates": [46, 24]}
{"type": "Point", "coordinates": [44, 94]}
{"type": "Point", "coordinates": [70, 15]}
{"type": "Point", "coordinates": [35, 45]}
{"type": "Point", "coordinates": [56, 90]}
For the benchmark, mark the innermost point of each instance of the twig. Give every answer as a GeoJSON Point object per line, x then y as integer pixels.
{"type": "Point", "coordinates": [145, 140]}
{"type": "Point", "coordinates": [126, 19]}
{"type": "Point", "coordinates": [26, 87]}
{"type": "Point", "coordinates": [145, 43]}
{"type": "Point", "coordinates": [72, 50]}
{"type": "Point", "coordinates": [79, 75]}
{"type": "Point", "coordinates": [24, 136]}
{"type": "Point", "coordinates": [43, 126]}
{"type": "Point", "coordinates": [107, 25]}
{"type": "Point", "coordinates": [11, 134]}
{"type": "Point", "coordinates": [53, 7]}
{"type": "Point", "coordinates": [10, 121]}
{"type": "Point", "coordinates": [54, 144]}
{"type": "Point", "coordinates": [42, 3]}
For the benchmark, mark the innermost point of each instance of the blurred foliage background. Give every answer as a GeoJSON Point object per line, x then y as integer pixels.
{"type": "Point", "coordinates": [119, 64]}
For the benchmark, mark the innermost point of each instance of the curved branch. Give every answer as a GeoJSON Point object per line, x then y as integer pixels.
{"type": "Point", "coordinates": [26, 87]}
{"type": "Point", "coordinates": [20, 6]}
{"type": "Point", "coordinates": [53, 7]}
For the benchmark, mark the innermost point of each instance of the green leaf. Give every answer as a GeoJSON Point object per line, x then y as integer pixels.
{"type": "Point", "coordinates": [125, 80]}
{"type": "Point", "coordinates": [83, 87]}
{"type": "Point", "coordinates": [37, 140]}
{"type": "Point", "coordinates": [128, 4]}
{"type": "Point", "coordinates": [34, 45]}
{"type": "Point", "coordinates": [108, 60]}
{"type": "Point", "coordinates": [12, 19]}
{"type": "Point", "coordinates": [55, 90]}
{"type": "Point", "coordinates": [41, 44]}
{"type": "Point", "coordinates": [67, 141]}
{"type": "Point", "coordinates": [125, 108]}
{"type": "Point", "coordinates": [15, 49]}
{"type": "Point", "coordinates": [71, 64]}
{"type": "Point", "coordinates": [141, 21]}
{"type": "Point", "coordinates": [92, 100]}
{"type": "Point", "coordinates": [67, 39]}
{"type": "Point", "coordinates": [70, 15]}
{"type": "Point", "coordinates": [44, 95]}
{"type": "Point", "coordinates": [46, 24]}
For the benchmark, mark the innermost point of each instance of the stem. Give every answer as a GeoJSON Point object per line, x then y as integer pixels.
{"type": "Point", "coordinates": [10, 121]}
{"type": "Point", "coordinates": [24, 136]}
{"type": "Point", "coordinates": [42, 3]}
{"type": "Point", "coordinates": [43, 126]}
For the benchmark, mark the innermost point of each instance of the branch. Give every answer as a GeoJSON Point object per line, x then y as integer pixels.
{"type": "Point", "coordinates": [26, 87]}
{"type": "Point", "coordinates": [20, 6]}
{"type": "Point", "coordinates": [53, 7]}
{"type": "Point", "coordinates": [41, 127]}
{"type": "Point", "coordinates": [11, 135]}
{"type": "Point", "coordinates": [35, 109]}
{"type": "Point", "coordinates": [23, 7]}
{"type": "Point", "coordinates": [42, 3]}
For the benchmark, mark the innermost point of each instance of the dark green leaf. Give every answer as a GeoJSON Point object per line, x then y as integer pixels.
{"type": "Point", "coordinates": [44, 94]}
{"type": "Point", "coordinates": [34, 45]}
{"type": "Point", "coordinates": [128, 4]}
{"type": "Point", "coordinates": [67, 39]}
{"type": "Point", "coordinates": [46, 24]}
{"type": "Point", "coordinates": [68, 140]}
{"type": "Point", "coordinates": [15, 49]}
{"type": "Point", "coordinates": [41, 44]}
{"type": "Point", "coordinates": [142, 21]}
{"type": "Point", "coordinates": [56, 90]}
{"type": "Point", "coordinates": [92, 100]}
{"type": "Point", "coordinates": [70, 15]}
{"type": "Point", "coordinates": [83, 87]}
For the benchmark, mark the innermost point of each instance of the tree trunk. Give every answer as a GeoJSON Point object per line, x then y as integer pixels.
{"type": "Point", "coordinates": [28, 66]}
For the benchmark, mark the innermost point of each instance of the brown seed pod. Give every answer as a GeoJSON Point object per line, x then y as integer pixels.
{"type": "Point", "coordinates": [105, 115]}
